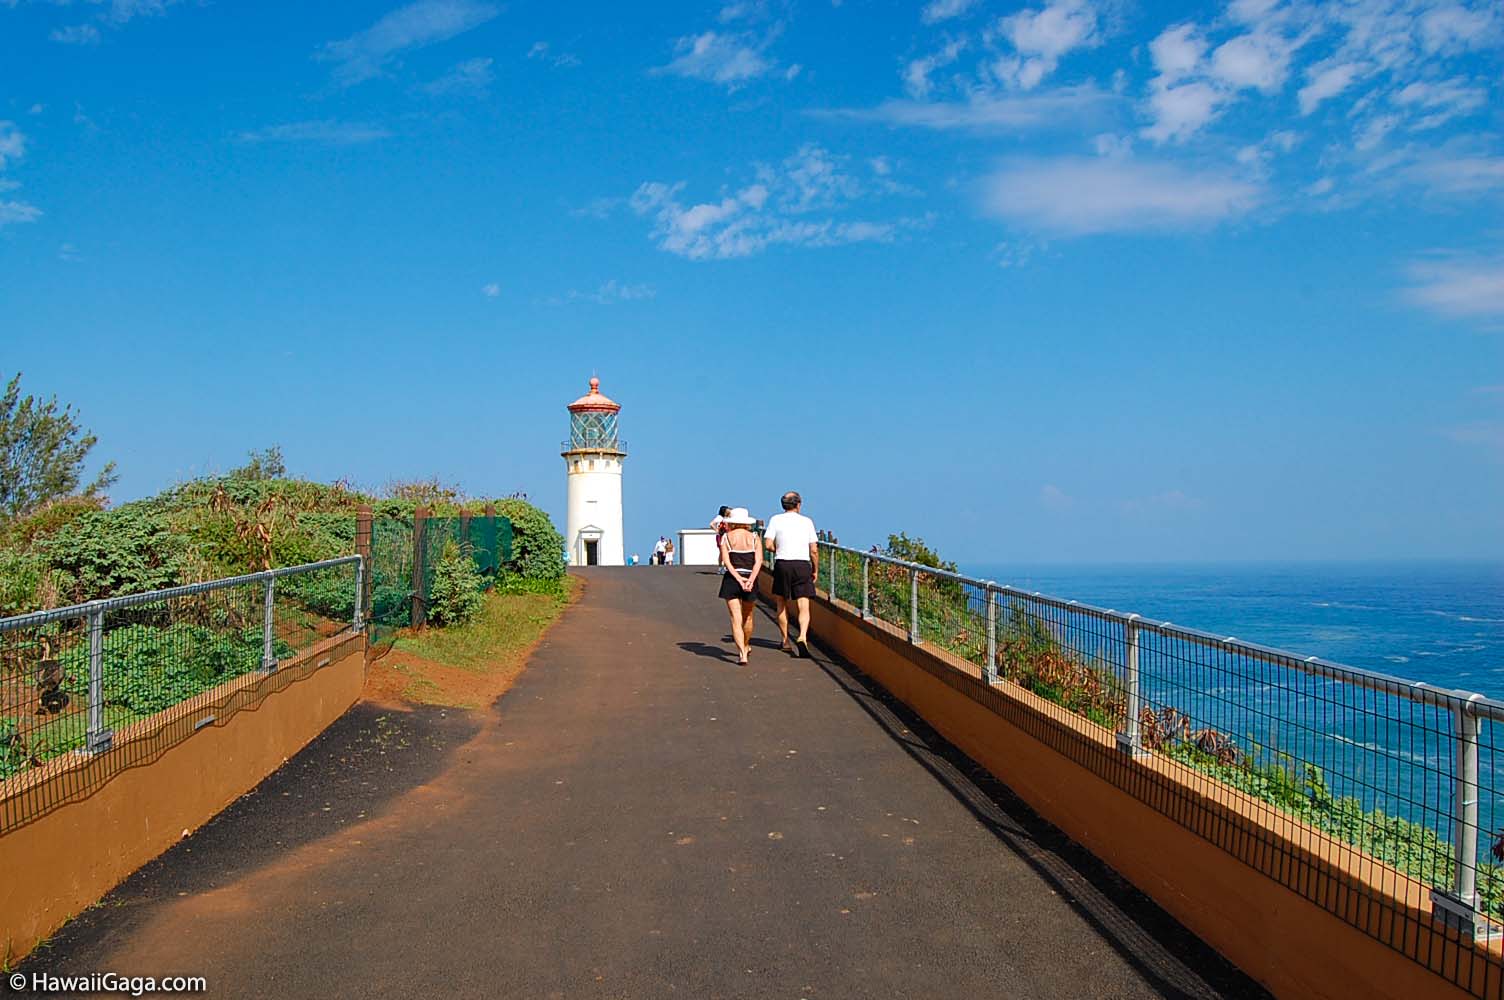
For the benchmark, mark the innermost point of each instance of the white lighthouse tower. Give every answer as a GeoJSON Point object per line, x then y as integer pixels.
{"type": "Point", "coordinates": [593, 456]}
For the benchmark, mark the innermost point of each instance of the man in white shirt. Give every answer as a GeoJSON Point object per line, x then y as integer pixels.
{"type": "Point", "coordinates": [796, 560]}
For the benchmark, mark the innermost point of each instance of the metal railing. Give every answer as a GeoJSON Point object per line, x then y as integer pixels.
{"type": "Point", "coordinates": [1378, 766]}
{"type": "Point", "coordinates": [70, 677]}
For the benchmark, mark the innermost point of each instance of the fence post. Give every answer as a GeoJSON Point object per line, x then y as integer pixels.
{"type": "Point", "coordinates": [1130, 741]}
{"type": "Point", "coordinates": [1459, 908]}
{"type": "Point", "coordinates": [866, 587]}
{"type": "Point", "coordinates": [420, 577]}
{"type": "Point", "coordinates": [1465, 806]}
{"type": "Point", "coordinates": [832, 556]}
{"type": "Point", "coordinates": [989, 673]}
{"type": "Point", "coordinates": [98, 738]}
{"type": "Point", "coordinates": [268, 655]}
{"type": "Point", "coordinates": [465, 546]}
{"type": "Point", "coordinates": [914, 606]}
{"type": "Point", "coordinates": [363, 569]}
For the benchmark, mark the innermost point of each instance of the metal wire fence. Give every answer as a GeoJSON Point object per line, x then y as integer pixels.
{"type": "Point", "coordinates": [72, 678]}
{"type": "Point", "coordinates": [1369, 767]}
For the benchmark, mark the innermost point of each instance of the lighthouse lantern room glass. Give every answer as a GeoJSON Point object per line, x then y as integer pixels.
{"type": "Point", "coordinates": [593, 429]}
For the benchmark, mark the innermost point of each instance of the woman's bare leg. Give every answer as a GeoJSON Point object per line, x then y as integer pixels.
{"type": "Point", "coordinates": [749, 618]}
{"type": "Point", "coordinates": [733, 606]}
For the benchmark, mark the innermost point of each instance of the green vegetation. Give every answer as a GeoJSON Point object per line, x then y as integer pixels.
{"type": "Point", "coordinates": [42, 453]}
{"type": "Point", "coordinates": [457, 589]}
{"type": "Point", "coordinates": [1030, 654]}
{"type": "Point", "coordinates": [67, 550]}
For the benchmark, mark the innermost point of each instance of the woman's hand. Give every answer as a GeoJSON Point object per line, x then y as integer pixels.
{"type": "Point", "coordinates": [746, 584]}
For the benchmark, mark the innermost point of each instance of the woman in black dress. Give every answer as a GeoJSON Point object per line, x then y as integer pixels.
{"type": "Point", "coordinates": [741, 554]}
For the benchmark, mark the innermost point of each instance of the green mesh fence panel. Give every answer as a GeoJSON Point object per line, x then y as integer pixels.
{"type": "Point", "coordinates": [391, 576]}
{"type": "Point", "coordinates": [393, 549]}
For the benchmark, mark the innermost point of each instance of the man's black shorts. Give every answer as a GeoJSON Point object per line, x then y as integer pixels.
{"type": "Point", "coordinates": [793, 578]}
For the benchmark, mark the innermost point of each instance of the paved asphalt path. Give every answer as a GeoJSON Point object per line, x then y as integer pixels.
{"type": "Point", "coordinates": [639, 817]}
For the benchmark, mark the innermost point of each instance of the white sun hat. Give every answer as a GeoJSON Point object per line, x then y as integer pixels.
{"type": "Point", "coordinates": [738, 515]}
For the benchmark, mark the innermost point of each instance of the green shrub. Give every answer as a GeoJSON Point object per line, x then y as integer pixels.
{"type": "Point", "coordinates": [122, 551]}
{"type": "Point", "coordinates": [456, 596]}
{"type": "Point", "coordinates": [537, 546]}
{"type": "Point", "coordinates": [148, 668]}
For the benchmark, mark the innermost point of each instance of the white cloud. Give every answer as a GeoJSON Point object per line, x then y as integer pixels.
{"type": "Point", "coordinates": [1043, 37]}
{"type": "Point", "coordinates": [1052, 497]}
{"type": "Point", "coordinates": [367, 53]}
{"type": "Point", "coordinates": [1177, 52]}
{"type": "Point", "coordinates": [68, 253]}
{"type": "Point", "coordinates": [1255, 61]}
{"type": "Point", "coordinates": [12, 212]}
{"type": "Point", "coordinates": [1328, 82]}
{"type": "Point", "coordinates": [730, 60]}
{"type": "Point", "coordinates": [774, 210]}
{"type": "Point", "coordinates": [1181, 110]}
{"type": "Point", "coordinates": [1459, 287]}
{"type": "Point", "coordinates": [564, 60]}
{"type": "Point", "coordinates": [77, 34]}
{"type": "Point", "coordinates": [334, 133]}
{"type": "Point", "coordinates": [916, 75]}
{"type": "Point", "coordinates": [1059, 108]}
{"type": "Point", "coordinates": [490, 289]}
{"type": "Point", "coordinates": [1079, 196]}
{"type": "Point", "coordinates": [473, 77]}
{"type": "Point", "coordinates": [1455, 174]}
{"type": "Point", "coordinates": [1441, 100]}
{"type": "Point", "coordinates": [12, 143]}
{"type": "Point", "coordinates": [612, 291]}
{"type": "Point", "coordinates": [944, 10]}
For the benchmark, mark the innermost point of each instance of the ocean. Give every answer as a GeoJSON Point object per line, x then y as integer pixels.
{"type": "Point", "coordinates": [1442, 623]}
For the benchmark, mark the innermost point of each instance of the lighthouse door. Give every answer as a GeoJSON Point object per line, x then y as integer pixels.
{"type": "Point", "coordinates": [592, 553]}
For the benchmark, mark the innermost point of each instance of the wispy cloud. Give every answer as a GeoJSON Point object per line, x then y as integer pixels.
{"type": "Point", "coordinates": [471, 78]}
{"type": "Point", "coordinates": [1459, 287]}
{"type": "Point", "coordinates": [944, 10]}
{"type": "Point", "coordinates": [12, 148]}
{"type": "Point", "coordinates": [612, 291]}
{"type": "Point", "coordinates": [730, 60]}
{"type": "Point", "coordinates": [794, 203]}
{"type": "Point", "coordinates": [368, 53]}
{"type": "Point", "coordinates": [12, 212]}
{"type": "Point", "coordinates": [490, 289]}
{"type": "Point", "coordinates": [76, 34]}
{"type": "Point", "coordinates": [1073, 196]}
{"type": "Point", "coordinates": [559, 60]}
{"type": "Point", "coordinates": [327, 131]}
{"type": "Point", "coordinates": [1059, 108]}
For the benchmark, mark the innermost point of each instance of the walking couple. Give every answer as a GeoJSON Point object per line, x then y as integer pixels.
{"type": "Point", "coordinates": [796, 557]}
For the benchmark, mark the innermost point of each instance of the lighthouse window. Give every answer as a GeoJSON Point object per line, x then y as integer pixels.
{"type": "Point", "coordinates": [592, 464]}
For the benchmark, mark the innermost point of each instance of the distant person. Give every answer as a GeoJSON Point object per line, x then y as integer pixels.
{"type": "Point", "coordinates": [668, 552]}
{"type": "Point", "coordinates": [632, 560]}
{"type": "Point", "coordinates": [658, 550]}
{"type": "Point", "coordinates": [741, 557]}
{"type": "Point", "coordinates": [796, 560]}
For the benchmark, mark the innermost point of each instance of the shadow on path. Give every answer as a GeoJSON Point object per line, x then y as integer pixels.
{"type": "Point", "coordinates": [1178, 962]}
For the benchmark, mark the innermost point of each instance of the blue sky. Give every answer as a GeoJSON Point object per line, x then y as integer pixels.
{"type": "Point", "coordinates": [1075, 281]}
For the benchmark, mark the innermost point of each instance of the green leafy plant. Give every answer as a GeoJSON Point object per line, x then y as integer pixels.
{"type": "Point", "coordinates": [457, 593]}
{"type": "Point", "coordinates": [42, 452]}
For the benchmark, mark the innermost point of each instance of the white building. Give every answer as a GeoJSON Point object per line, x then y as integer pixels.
{"type": "Point", "coordinates": [698, 547]}
{"type": "Point", "coordinates": [593, 457]}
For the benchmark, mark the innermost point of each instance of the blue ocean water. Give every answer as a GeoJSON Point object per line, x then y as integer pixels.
{"type": "Point", "coordinates": [1442, 623]}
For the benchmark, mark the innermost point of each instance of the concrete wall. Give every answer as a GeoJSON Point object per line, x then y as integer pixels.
{"type": "Point", "coordinates": [1304, 916]}
{"type": "Point", "coordinates": [100, 818]}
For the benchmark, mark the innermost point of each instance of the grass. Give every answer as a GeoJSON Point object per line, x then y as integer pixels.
{"type": "Point", "coordinates": [464, 666]}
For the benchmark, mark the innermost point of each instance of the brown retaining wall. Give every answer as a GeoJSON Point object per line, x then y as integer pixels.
{"type": "Point", "coordinates": [1303, 915]}
{"type": "Point", "coordinates": [100, 818]}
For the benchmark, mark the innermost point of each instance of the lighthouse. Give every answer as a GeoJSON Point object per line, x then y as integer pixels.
{"type": "Point", "coordinates": [593, 456]}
